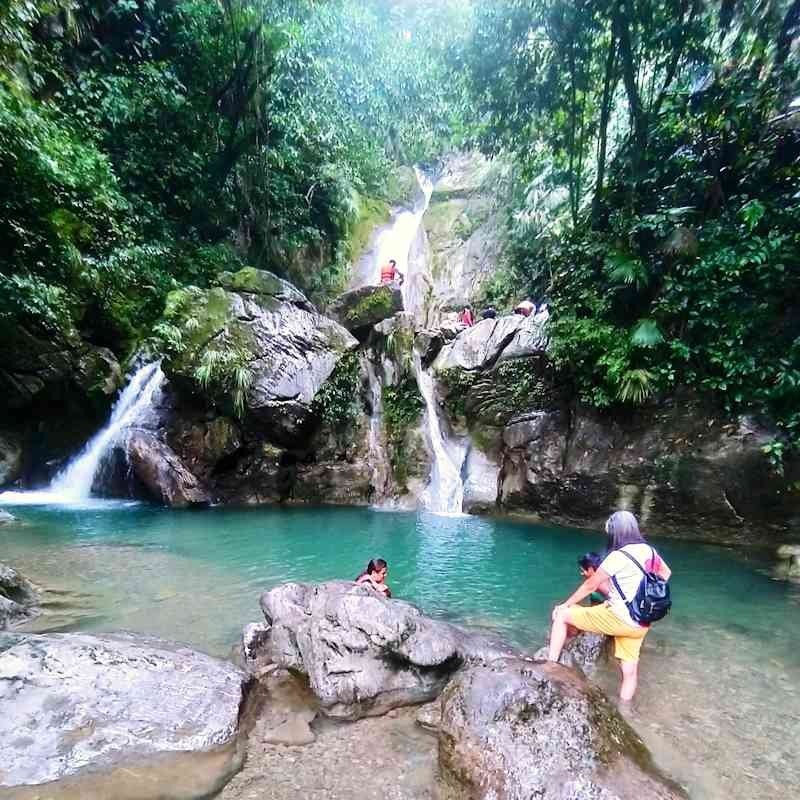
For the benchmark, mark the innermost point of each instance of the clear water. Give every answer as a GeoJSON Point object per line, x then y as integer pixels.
{"type": "Point", "coordinates": [720, 695]}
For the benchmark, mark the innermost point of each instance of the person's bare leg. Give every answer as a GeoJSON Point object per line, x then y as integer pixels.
{"type": "Point", "coordinates": [558, 635]}
{"type": "Point", "coordinates": [630, 680]}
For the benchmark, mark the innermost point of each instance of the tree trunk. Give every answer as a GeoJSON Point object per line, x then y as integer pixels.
{"type": "Point", "coordinates": [609, 84]}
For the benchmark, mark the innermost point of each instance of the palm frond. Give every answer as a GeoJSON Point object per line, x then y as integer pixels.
{"type": "Point", "coordinates": [636, 386]}
{"type": "Point", "coordinates": [646, 333]}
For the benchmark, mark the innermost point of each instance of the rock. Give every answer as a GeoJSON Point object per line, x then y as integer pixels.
{"type": "Point", "coordinates": [430, 716]}
{"type": "Point", "coordinates": [788, 567]}
{"type": "Point", "coordinates": [584, 651]}
{"type": "Point", "coordinates": [480, 346]}
{"type": "Point", "coordinates": [294, 731]}
{"type": "Point", "coordinates": [364, 654]}
{"type": "Point", "coordinates": [10, 456]}
{"type": "Point", "coordinates": [99, 374]}
{"type": "Point", "coordinates": [73, 702]}
{"type": "Point", "coordinates": [787, 551]}
{"type": "Point", "coordinates": [531, 338]}
{"type": "Point", "coordinates": [428, 343]}
{"type": "Point", "coordinates": [367, 305]}
{"type": "Point", "coordinates": [162, 473]}
{"type": "Point", "coordinates": [254, 639]}
{"type": "Point", "coordinates": [202, 444]}
{"type": "Point", "coordinates": [18, 598]}
{"type": "Point", "coordinates": [518, 729]}
{"type": "Point", "coordinates": [286, 350]}
{"type": "Point", "coordinates": [480, 481]}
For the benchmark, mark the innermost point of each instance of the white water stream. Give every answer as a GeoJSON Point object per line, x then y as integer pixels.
{"type": "Point", "coordinates": [74, 483]}
{"type": "Point", "coordinates": [378, 459]}
{"type": "Point", "coordinates": [445, 491]}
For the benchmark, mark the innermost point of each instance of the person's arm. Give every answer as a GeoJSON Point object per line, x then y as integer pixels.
{"type": "Point", "coordinates": [400, 276]}
{"type": "Point", "coordinates": [663, 569]}
{"type": "Point", "coordinates": [585, 589]}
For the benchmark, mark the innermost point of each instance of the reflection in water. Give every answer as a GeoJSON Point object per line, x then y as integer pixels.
{"type": "Point", "coordinates": [720, 693]}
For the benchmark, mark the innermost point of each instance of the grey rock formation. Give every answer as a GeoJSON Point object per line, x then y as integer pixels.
{"type": "Point", "coordinates": [18, 598]}
{"type": "Point", "coordinates": [517, 729]}
{"type": "Point", "coordinates": [10, 456]}
{"type": "Point", "coordinates": [679, 472]}
{"type": "Point", "coordinates": [788, 567]}
{"type": "Point", "coordinates": [289, 349]}
{"type": "Point", "coordinates": [360, 308]}
{"type": "Point", "coordinates": [428, 343]}
{"type": "Point", "coordinates": [480, 346]}
{"type": "Point", "coordinates": [73, 702]}
{"type": "Point", "coordinates": [162, 473]}
{"type": "Point", "coordinates": [364, 654]}
{"type": "Point", "coordinates": [584, 651]}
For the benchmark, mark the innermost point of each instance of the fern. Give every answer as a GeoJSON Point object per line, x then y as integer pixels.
{"type": "Point", "coordinates": [646, 333]}
{"type": "Point", "coordinates": [636, 386]}
{"type": "Point", "coordinates": [626, 270]}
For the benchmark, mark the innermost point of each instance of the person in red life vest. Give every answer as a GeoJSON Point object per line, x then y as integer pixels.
{"type": "Point", "coordinates": [466, 318]}
{"type": "Point", "coordinates": [390, 273]}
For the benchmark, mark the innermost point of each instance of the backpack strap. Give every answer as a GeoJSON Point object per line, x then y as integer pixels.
{"type": "Point", "coordinates": [628, 555]}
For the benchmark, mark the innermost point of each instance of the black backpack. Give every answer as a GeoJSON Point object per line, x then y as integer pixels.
{"type": "Point", "coordinates": [652, 601]}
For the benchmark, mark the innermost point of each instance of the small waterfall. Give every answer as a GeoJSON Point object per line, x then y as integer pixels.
{"type": "Point", "coordinates": [74, 483]}
{"type": "Point", "coordinates": [445, 491]}
{"type": "Point", "coordinates": [379, 462]}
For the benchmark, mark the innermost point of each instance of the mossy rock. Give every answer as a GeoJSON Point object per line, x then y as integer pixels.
{"type": "Point", "coordinates": [367, 306]}
{"type": "Point", "coordinates": [250, 280]}
{"type": "Point", "coordinates": [402, 187]}
{"type": "Point", "coordinates": [373, 213]}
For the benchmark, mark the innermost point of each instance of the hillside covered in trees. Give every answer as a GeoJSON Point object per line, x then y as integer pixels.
{"type": "Point", "coordinates": [655, 185]}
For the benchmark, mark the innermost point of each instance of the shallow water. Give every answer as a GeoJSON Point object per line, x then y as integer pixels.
{"type": "Point", "coordinates": [720, 694]}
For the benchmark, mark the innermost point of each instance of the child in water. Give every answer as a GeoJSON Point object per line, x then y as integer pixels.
{"type": "Point", "coordinates": [374, 576]}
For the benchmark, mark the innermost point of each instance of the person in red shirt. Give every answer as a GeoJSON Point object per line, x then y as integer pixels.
{"type": "Point", "coordinates": [390, 273]}
{"type": "Point", "coordinates": [466, 317]}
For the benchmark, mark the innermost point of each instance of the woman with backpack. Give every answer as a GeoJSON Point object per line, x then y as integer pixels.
{"type": "Point", "coordinates": [638, 595]}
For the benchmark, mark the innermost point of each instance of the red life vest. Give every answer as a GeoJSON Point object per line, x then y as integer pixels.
{"type": "Point", "coordinates": [387, 273]}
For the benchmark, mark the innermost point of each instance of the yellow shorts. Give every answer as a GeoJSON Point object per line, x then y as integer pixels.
{"type": "Point", "coordinates": [601, 619]}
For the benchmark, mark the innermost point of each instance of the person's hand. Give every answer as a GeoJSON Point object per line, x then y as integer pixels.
{"type": "Point", "coordinates": [557, 609]}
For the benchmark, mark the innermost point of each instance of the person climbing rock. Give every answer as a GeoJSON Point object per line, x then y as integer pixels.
{"type": "Point", "coordinates": [490, 312]}
{"type": "Point", "coordinates": [526, 308]}
{"type": "Point", "coordinates": [390, 273]}
{"type": "Point", "coordinates": [465, 317]}
{"type": "Point", "coordinates": [631, 564]}
{"type": "Point", "coordinates": [374, 576]}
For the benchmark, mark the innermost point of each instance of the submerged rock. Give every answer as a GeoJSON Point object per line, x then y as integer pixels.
{"type": "Point", "coordinates": [367, 305]}
{"type": "Point", "coordinates": [18, 598]}
{"type": "Point", "coordinates": [74, 702]}
{"type": "Point", "coordinates": [517, 729]}
{"type": "Point", "coordinates": [364, 654]}
{"type": "Point", "coordinates": [162, 473]}
{"type": "Point", "coordinates": [788, 567]}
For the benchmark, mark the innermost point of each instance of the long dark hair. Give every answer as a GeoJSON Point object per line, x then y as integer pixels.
{"type": "Point", "coordinates": [622, 528]}
{"type": "Point", "coordinates": [375, 565]}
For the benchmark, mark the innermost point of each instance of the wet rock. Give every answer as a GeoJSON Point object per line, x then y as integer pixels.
{"type": "Point", "coordinates": [428, 343]}
{"type": "Point", "coordinates": [480, 346]}
{"type": "Point", "coordinates": [10, 456]}
{"type": "Point", "coordinates": [364, 654]}
{"type": "Point", "coordinates": [788, 567]}
{"type": "Point", "coordinates": [584, 651]}
{"type": "Point", "coordinates": [519, 729]}
{"type": "Point", "coordinates": [367, 305]}
{"type": "Point", "coordinates": [18, 598]}
{"type": "Point", "coordinates": [74, 702]}
{"type": "Point", "coordinates": [162, 473]}
{"type": "Point", "coordinates": [294, 731]}
{"type": "Point", "coordinates": [98, 373]}
{"type": "Point", "coordinates": [480, 481]}
{"type": "Point", "coordinates": [287, 350]}
{"type": "Point", "coordinates": [430, 716]}
{"type": "Point", "coordinates": [254, 639]}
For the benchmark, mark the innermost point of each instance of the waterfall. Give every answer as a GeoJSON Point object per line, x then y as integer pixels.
{"type": "Point", "coordinates": [445, 491]}
{"type": "Point", "coordinates": [379, 462]}
{"type": "Point", "coordinates": [74, 483]}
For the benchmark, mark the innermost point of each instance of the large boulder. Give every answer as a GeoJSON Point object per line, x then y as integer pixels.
{"type": "Point", "coordinates": [516, 729]}
{"type": "Point", "coordinates": [493, 340]}
{"type": "Point", "coordinates": [367, 305]}
{"type": "Point", "coordinates": [74, 702]}
{"type": "Point", "coordinates": [10, 456]}
{"type": "Point", "coordinates": [18, 598]}
{"type": "Point", "coordinates": [281, 350]}
{"type": "Point", "coordinates": [364, 654]}
{"type": "Point", "coordinates": [163, 475]}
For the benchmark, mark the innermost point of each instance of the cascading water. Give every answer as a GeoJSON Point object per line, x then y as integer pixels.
{"type": "Point", "coordinates": [381, 470]}
{"type": "Point", "coordinates": [445, 491]}
{"type": "Point", "coordinates": [74, 483]}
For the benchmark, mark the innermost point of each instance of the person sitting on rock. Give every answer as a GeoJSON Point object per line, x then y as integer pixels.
{"type": "Point", "coordinates": [390, 273]}
{"type": "Point", "coordinates": [628, 556]}
{"type": "Point", "coordinates": [465, 317]}
{"type": "Point", "coordinates": [490, 312]}
{"type": "Point", "coordinates": [374, 576]}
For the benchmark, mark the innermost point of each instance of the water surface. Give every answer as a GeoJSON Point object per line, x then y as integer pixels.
{"type": "Point", "coordinates": [720, 694]}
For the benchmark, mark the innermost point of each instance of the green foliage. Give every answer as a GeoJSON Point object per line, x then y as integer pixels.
{"type": "Point", "coordinates": [402, 405]}
{"type": "Point", "coordinates": [227, 371]}
{"type": "Point", "coordinates": [336, 403]}
{"type": "Point", "coordinates": [457, 384]}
